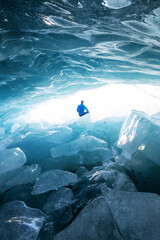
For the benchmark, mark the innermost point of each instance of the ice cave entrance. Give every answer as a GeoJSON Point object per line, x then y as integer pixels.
{"type": "Point", "coordinates": [107, 101]}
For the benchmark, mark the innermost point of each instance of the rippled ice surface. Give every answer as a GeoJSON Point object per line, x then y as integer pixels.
{"type": "Point", "coordinates": [56, 48]}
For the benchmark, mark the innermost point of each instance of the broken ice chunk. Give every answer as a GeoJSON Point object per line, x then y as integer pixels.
{"type": "Point", "coordinates": [95, 156]}
{"type": "Point", "coordinates": [11, 159]}
{"type": "Point", "coordinates": [58, 207]}
{"type": "Point", "coordinates": [136, 213]}
{"type": "Point", "coordinates": [141, 133]}
{"type": "Point", "coordinates": [19, 222]}
{"type": "Point", "coordinates": [53, 180]}
{"type": "Point", "coordinates": [27, 175]}
{"type": "Point", "coordinates": [94, 222]}
{"type": "Point", "coordinates": [58, 200]}
{"type": "Point", "coordinates": [72, 163]}
{"type": "Point", "coordinates": [87, 144]}
{"type": "Point", "coordinates": [62, 135]}
{"type": "Point", "coordinates": [113, 178]}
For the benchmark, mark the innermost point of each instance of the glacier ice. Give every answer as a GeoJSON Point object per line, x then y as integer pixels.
{"type": "Point", "coordinates": [94, 222]}
{"type": "Point", "coordinates": [81, 170]}
{"type": "Point", "coordinates": [95, 156]}
{"type": "Point", "coordinates": [53, 180]}
{"type": "Point", "coordinates": [58, 200]}
{"type": "Point", "coordinates": [15, 126]}
{"type": "Point", "coordinates": [86, 150]}
{"type": "Point", "coordinates": [51, 50]}
{"type": "Point", "coordinates": [20, 222]}
{"type": "Point", "coordinates": [116, 4]}
{"type": "Point", "coordinates": [107, 129]}
{"type": "Point", "coordinates": [113, 178]}
{"type": "Point", "coordinates": [144, 172]}
{"type": "Point", "coordinates": [2, 132]}
{"type": "Point", "coordinates": [63, 135]}
{"type": "Point", "coordinates": [21, 193]}
{"type": "Point", "coordinates": [58, 206]}
{"type": "Point", "coordinates": [88, 143]}
{"type": "Point", "coordinates": [36, 143]}
{"type": "Point", "coordinates": [21, 175]}
{"type": "Point", "coordinates": [90, 152]}
{"type": "Point", "coordinates": [82, 158]}
{"type": "Point", "coordinates": [137, 214]}
{"type": "Point", "coordinates": [139, 140]}
{"type": "Point", "coordinates": [141, 133]}
{"type": "Point", "coordinates": [27, 174]}
{"type": "Point", "coordinates": [113, 174]}
{"type": "Point", "coordinates": [11, 159]}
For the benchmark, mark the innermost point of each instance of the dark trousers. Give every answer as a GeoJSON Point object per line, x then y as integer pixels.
{"type": "Point", "coordinates": [83, 114]}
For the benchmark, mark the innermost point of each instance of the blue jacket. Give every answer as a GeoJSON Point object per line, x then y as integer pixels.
{"type": "Point", "coordinates": [82, 110]}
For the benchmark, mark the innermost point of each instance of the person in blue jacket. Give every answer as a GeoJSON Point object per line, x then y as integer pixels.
{"type": "Point", "coordinates": [81, 109]}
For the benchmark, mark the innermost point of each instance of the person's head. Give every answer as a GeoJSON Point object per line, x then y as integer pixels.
{"type": "Point", "coordinates": [82, 101]}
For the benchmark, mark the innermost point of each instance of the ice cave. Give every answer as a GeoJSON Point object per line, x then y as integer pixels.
{"type": "Point", "coordinates": [70, 177]}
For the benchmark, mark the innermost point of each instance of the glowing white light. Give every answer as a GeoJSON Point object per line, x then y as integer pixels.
{"type": "Point", "coordinates": [108, 101]}
{"type": "Point", "coordinates": [132, 135]}
{"type": "Point", "coordinates": [141, 147]}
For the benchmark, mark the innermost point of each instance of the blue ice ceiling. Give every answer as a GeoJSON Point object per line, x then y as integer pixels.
{"type": "Point", "coordinates": [56, 48]}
